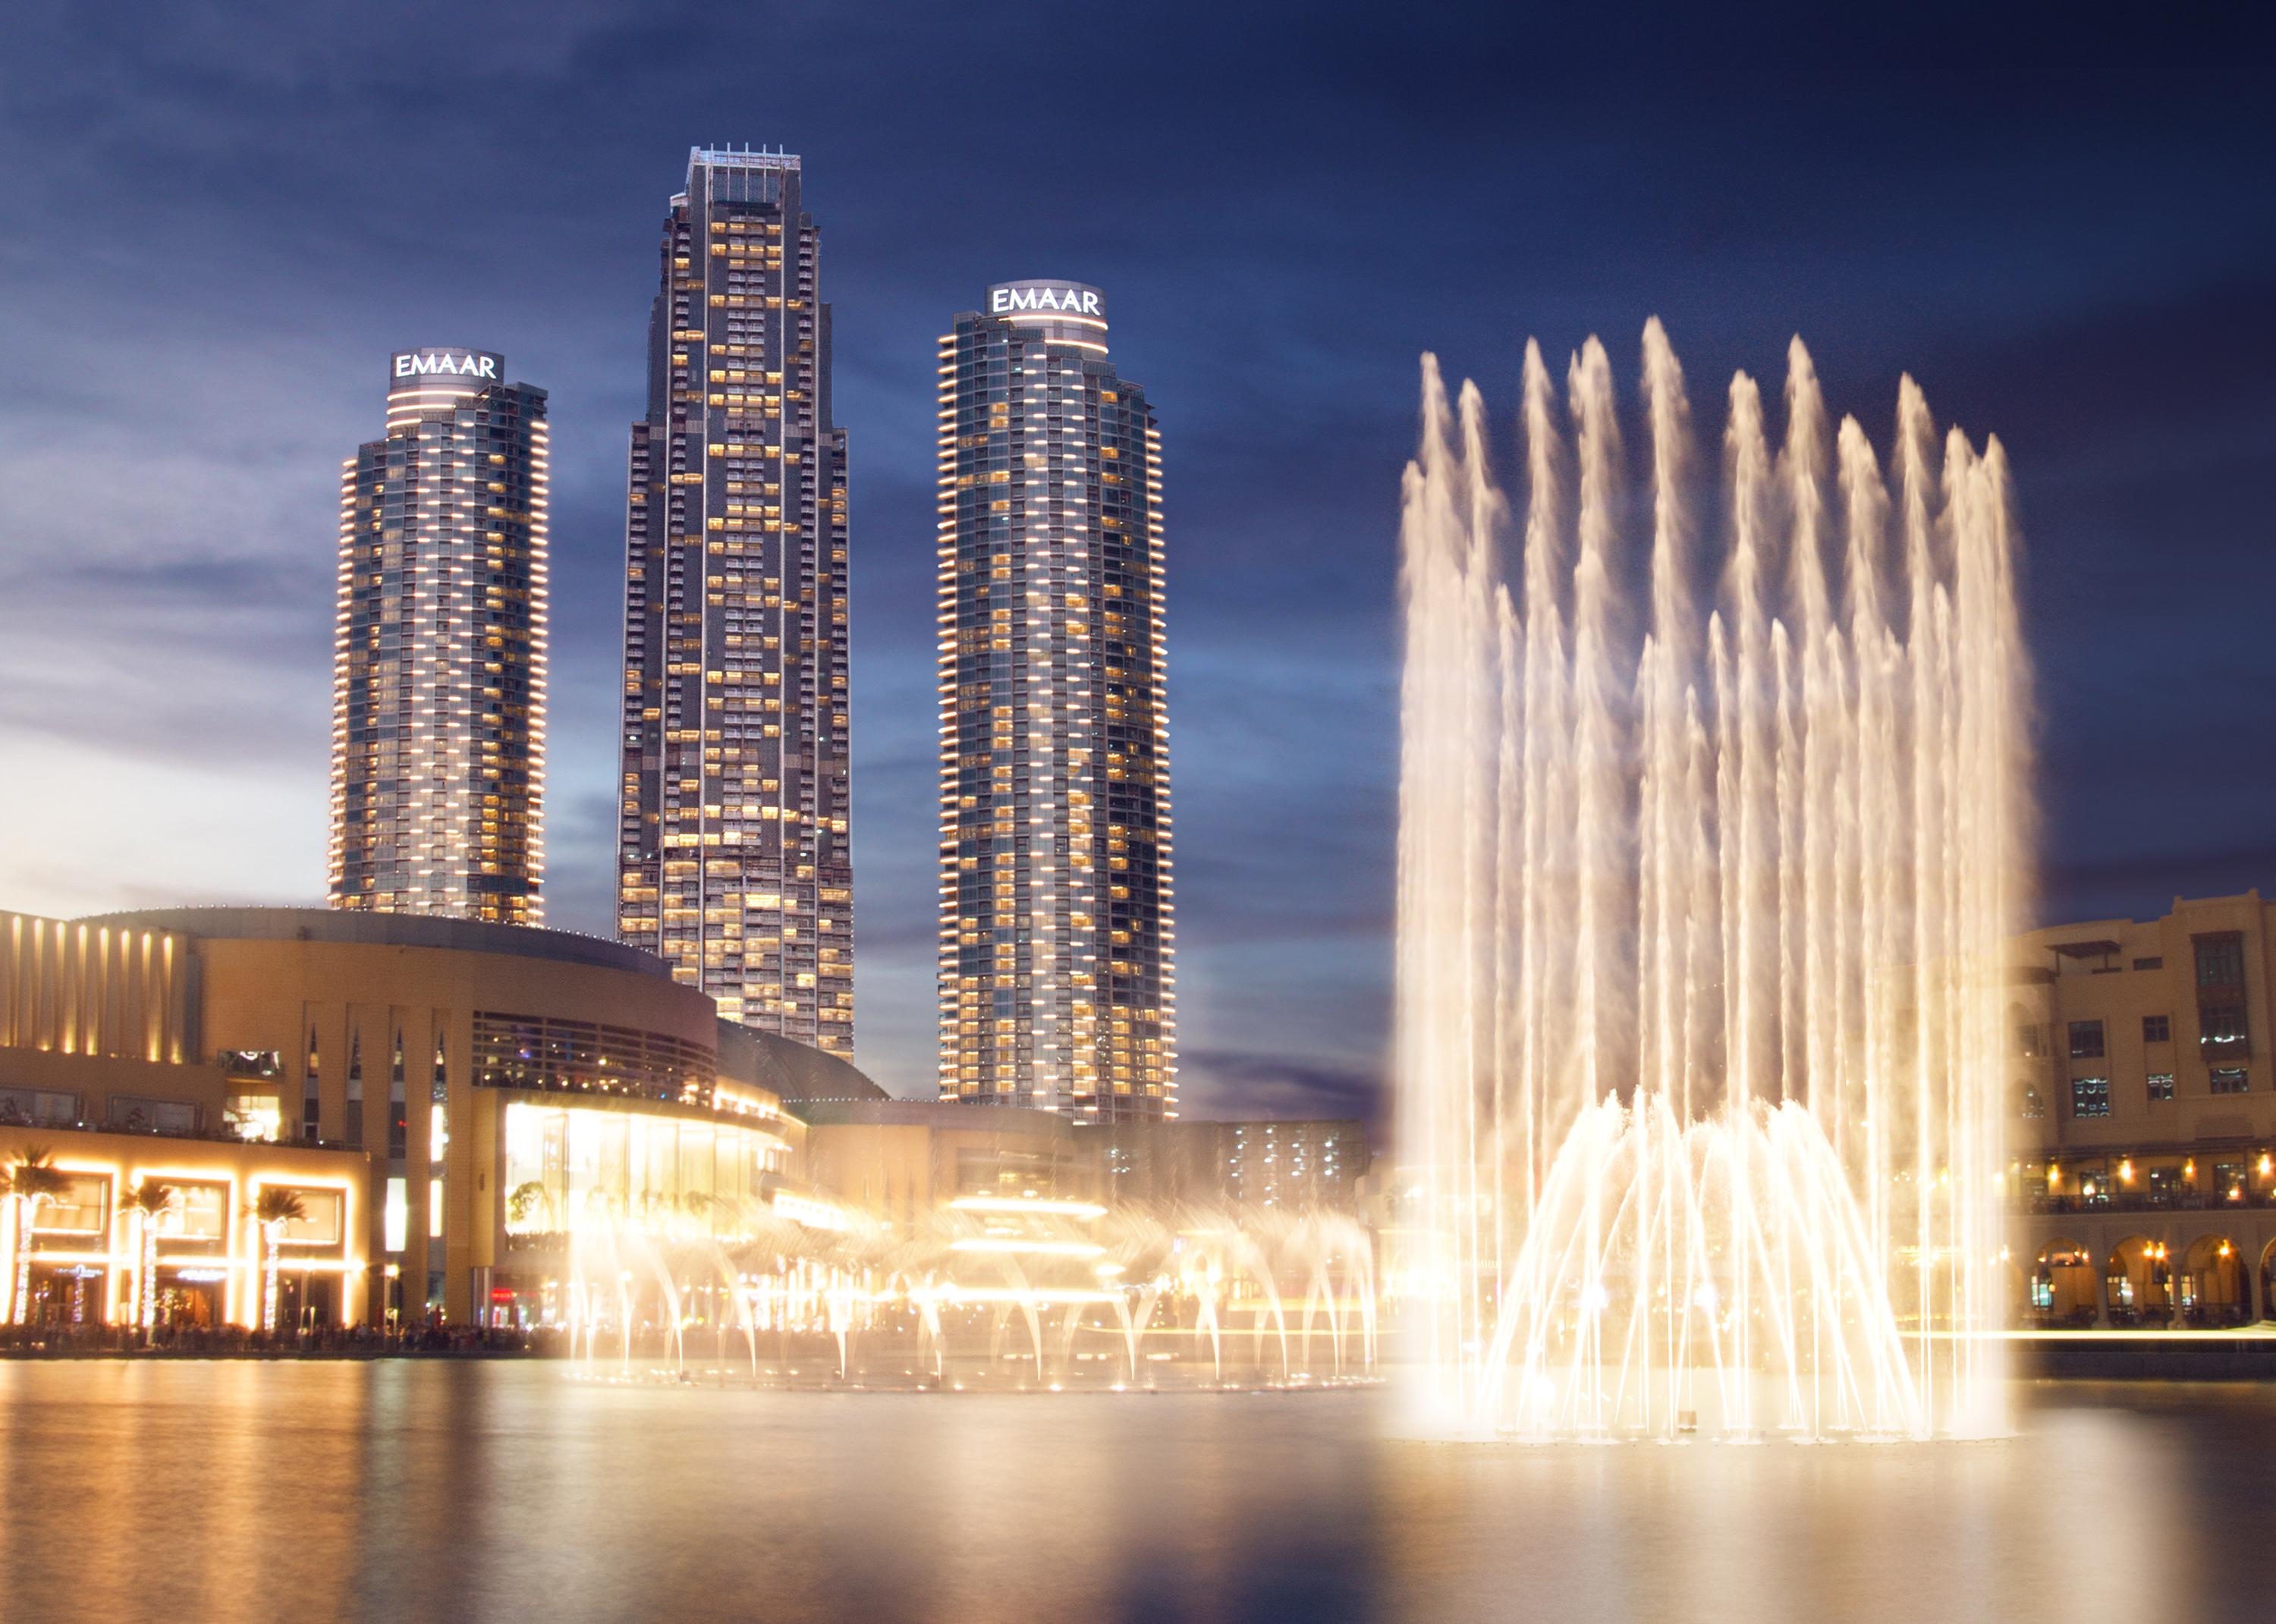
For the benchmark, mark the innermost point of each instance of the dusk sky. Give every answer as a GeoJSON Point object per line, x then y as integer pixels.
{"type": "Point", "coordinates": [224, 218]}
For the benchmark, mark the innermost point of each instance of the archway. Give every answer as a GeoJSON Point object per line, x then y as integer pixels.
{"type": "Point", "coordinates": [2213, 1288]}
{"type": "Point", "coordinates": [2268, 1282]}
{"type": "Point", "coordinates": [2062, 1286]}
{"type": "Point", "coordinates": [2138, 1283]}
{"type": "Point", "coordinates": [2017, 1285]}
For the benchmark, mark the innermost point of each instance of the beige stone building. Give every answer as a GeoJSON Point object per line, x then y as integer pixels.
{"type": "Point", "coordinates": [2144, 1118]}
{"type": "Point", "coordinates": [474, 1081]}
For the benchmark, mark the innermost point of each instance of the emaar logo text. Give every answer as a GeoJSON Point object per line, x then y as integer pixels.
{"type": "Point", "coordinates": [453, 363]}
{"type": "Point", "coordinates": [1068, 300]}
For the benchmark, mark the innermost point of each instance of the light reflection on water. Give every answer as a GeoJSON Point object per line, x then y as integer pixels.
{"type": "Point", "coordinates": [416, 1490]}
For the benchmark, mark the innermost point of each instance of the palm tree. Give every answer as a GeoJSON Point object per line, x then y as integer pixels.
{"type": "Point", "coordinates": [31, 1181]}
{"type": "Point", "coordinates": [149, 1198]}
{"type": "Point", "coordinates": [276, 1207]}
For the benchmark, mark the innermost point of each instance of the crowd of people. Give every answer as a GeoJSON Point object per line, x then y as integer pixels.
{"type": "Point", "coordinates": [417, 1337]}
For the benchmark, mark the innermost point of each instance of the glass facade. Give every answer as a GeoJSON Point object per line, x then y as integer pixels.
{"type": "Point", "coordinates": [568, 1166]}
{"type": "Point", "coordinates": [734, 861]}
{"type": "Point", "coordinates": [1057, 984]}
{"type": "Point", "coordinates": [438, 672]}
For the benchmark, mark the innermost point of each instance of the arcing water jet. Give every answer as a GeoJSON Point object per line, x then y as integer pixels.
{"type": "Point", "coordinates": [1700, 1045]}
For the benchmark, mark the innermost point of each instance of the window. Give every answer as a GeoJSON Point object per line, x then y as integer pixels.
{"type": "Point", "coordinates": [2086, 1040]}
{"type": "Point", "coordinates": [138, 1115]}
{"type": "Point", "coordinates": [319, 1222]}
{"type": "Point", "coordinates": [201, 1213]}
{"type": "Point", "coordinates": [254, 1116]}
{"type": "Point", "coordinates": [355, 1090]}
{"type": "Point", "coordinates": [2161, 1085]}
{"type": "Point", "coordinates": [2090, 1096]}
{"type": "Point", "coordinates": [39, 1108]}
{"type": "Point", "coordinates": [2222, 1031]}
{"type": "Point", "coordinates": [2221, 960]}
{"type": "Point", "coordinates": [2028, 1105]}
{"type": "Point", "coordinates": [2027, 1041]}
{"type": "Point", "coordinates": [2157, 1028]}
{"type": "Point", "coordinates": [309, 1117]}
{"type": "Point", "coordinates": [2228, 1080]}
{"type": "Point", "coordinates": [82, 1207]}
{"type": "Point", "coordinates": [2148, 964]}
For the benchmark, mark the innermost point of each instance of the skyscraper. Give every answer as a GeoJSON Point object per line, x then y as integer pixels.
{"type": "Point", "coordinates": [438, 664]}
{"type": "Point", "coordinates": [1056, 983]}
{"type": "Point", "coordinates": [734, 863]}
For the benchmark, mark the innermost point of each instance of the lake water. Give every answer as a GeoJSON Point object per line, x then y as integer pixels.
{"type": "Point", "coordinates": [430, 1490]}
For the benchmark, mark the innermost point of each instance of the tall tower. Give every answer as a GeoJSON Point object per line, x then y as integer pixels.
{"type": "Point", "coordinates": [733, 860]}
{"type": "Point", "coordinates": [1055, 919]}
{"type": "Point", "coordinates": [438, 661]}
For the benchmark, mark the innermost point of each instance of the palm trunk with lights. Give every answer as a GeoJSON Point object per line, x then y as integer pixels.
{"type": "Point", "coordinates": [20, 1304]}
{"type": "Point", "coordinates": [19, 1260]}
{"type": "Point", "coordinates": [146, 1290]}
{"type": "Point", "coordinates": [269, 1256]}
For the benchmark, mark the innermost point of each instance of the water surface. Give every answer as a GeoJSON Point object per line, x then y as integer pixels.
{"type": "Point", "coordinates": [431, 1490]}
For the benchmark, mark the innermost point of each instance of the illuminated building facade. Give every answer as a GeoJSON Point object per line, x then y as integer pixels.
{"type": "Point", "coordinates": [1293, 1165]}
{"type": "Point", "coordinates": [2144, 1117]}
{"type": "Point", "coordinates": [438, 666]}
{"type": "Point", "coordinates": [479, 1091]}
{"type": "Point", "coordinates": [1056, 987]}
{"type": "Point", "coordinates": [103, 1080]}
{"type": "Point", "coordinates": [735, 861]}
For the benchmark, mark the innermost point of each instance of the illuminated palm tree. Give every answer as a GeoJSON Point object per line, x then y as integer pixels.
{"type": "Point", "coordinates": [148, 1199]}
{"type": "Point", "coordinates": [30, 1181]}
{"type": "Point", "coordinates": [276, 1207]}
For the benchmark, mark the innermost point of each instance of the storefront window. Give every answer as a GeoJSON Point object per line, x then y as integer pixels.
{"type": "Point", "coordinates": [83, 1207]}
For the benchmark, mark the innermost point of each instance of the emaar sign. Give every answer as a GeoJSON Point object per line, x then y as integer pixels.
{"type": "Point", "coordinates": [480, 366]}
{"type": "Point", "coordinates": [1061, 299]}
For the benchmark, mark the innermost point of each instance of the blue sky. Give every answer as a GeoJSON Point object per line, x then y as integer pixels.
{"type": "Point", "coordinates": [221, 219]}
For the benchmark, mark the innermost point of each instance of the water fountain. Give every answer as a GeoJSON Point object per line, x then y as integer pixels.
{"type": "Point", "coordinates": [1006, 1291]}
{"type": "Point", "coordinates": [1703, 875]}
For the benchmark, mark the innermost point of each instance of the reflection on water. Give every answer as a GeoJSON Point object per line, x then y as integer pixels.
{"type": "Point", "coordinates": [417, 1491]}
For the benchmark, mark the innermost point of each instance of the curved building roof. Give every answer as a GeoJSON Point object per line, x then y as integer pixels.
{"type": "Point", "coordinates": [788, 1069]}
{"type": "Point", "coordinates": [368, 929]}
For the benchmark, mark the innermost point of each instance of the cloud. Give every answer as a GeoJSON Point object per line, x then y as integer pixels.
{"type": "Point", "coordinates": [1244, 1083]}
{"type": "Point", "coordinates": [257, 205]}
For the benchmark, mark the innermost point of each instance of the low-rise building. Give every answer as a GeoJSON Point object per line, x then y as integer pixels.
{"type": "Point", "coordinates": [2143, 1121]}
{"type": "Point", "coordinates": [1290, 1165]}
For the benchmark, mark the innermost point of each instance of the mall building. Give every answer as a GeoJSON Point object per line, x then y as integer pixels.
{"type": "Point", "coordinates": [459, 1106]}
{"type": "Point", "coordinates": [2145, 1118]}
{"type": "Point", "coordinates": [443, 1092]}
{"type": "Point", "coordinates": [102, 1081]}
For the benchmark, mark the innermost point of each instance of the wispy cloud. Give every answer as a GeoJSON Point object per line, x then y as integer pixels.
{"type": "Point", "coordinates": [233, 212]}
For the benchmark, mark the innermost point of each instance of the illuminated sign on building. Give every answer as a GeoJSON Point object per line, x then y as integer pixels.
{"type": "Point", "coordinates": [405, 364]}
{"type": "Point", "coordinates": [1070, 299]}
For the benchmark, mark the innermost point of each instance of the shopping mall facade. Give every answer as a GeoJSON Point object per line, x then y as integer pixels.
{"type": "Point", "coordinates": [480, 1121]}
{"type": "Point", "coordinates": [436, 1090]}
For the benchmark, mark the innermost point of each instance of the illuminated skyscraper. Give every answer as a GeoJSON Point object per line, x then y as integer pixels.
{"type": "Point", "coordinates": [1055, 982]}
{"type": "Point", "coordinates": [733, 861]}
{"type": "Point", "coordinates": [438, 666]}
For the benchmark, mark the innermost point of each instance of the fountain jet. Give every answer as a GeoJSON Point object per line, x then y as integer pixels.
{"type": "Point", "coordinates": [1701, 1011]}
